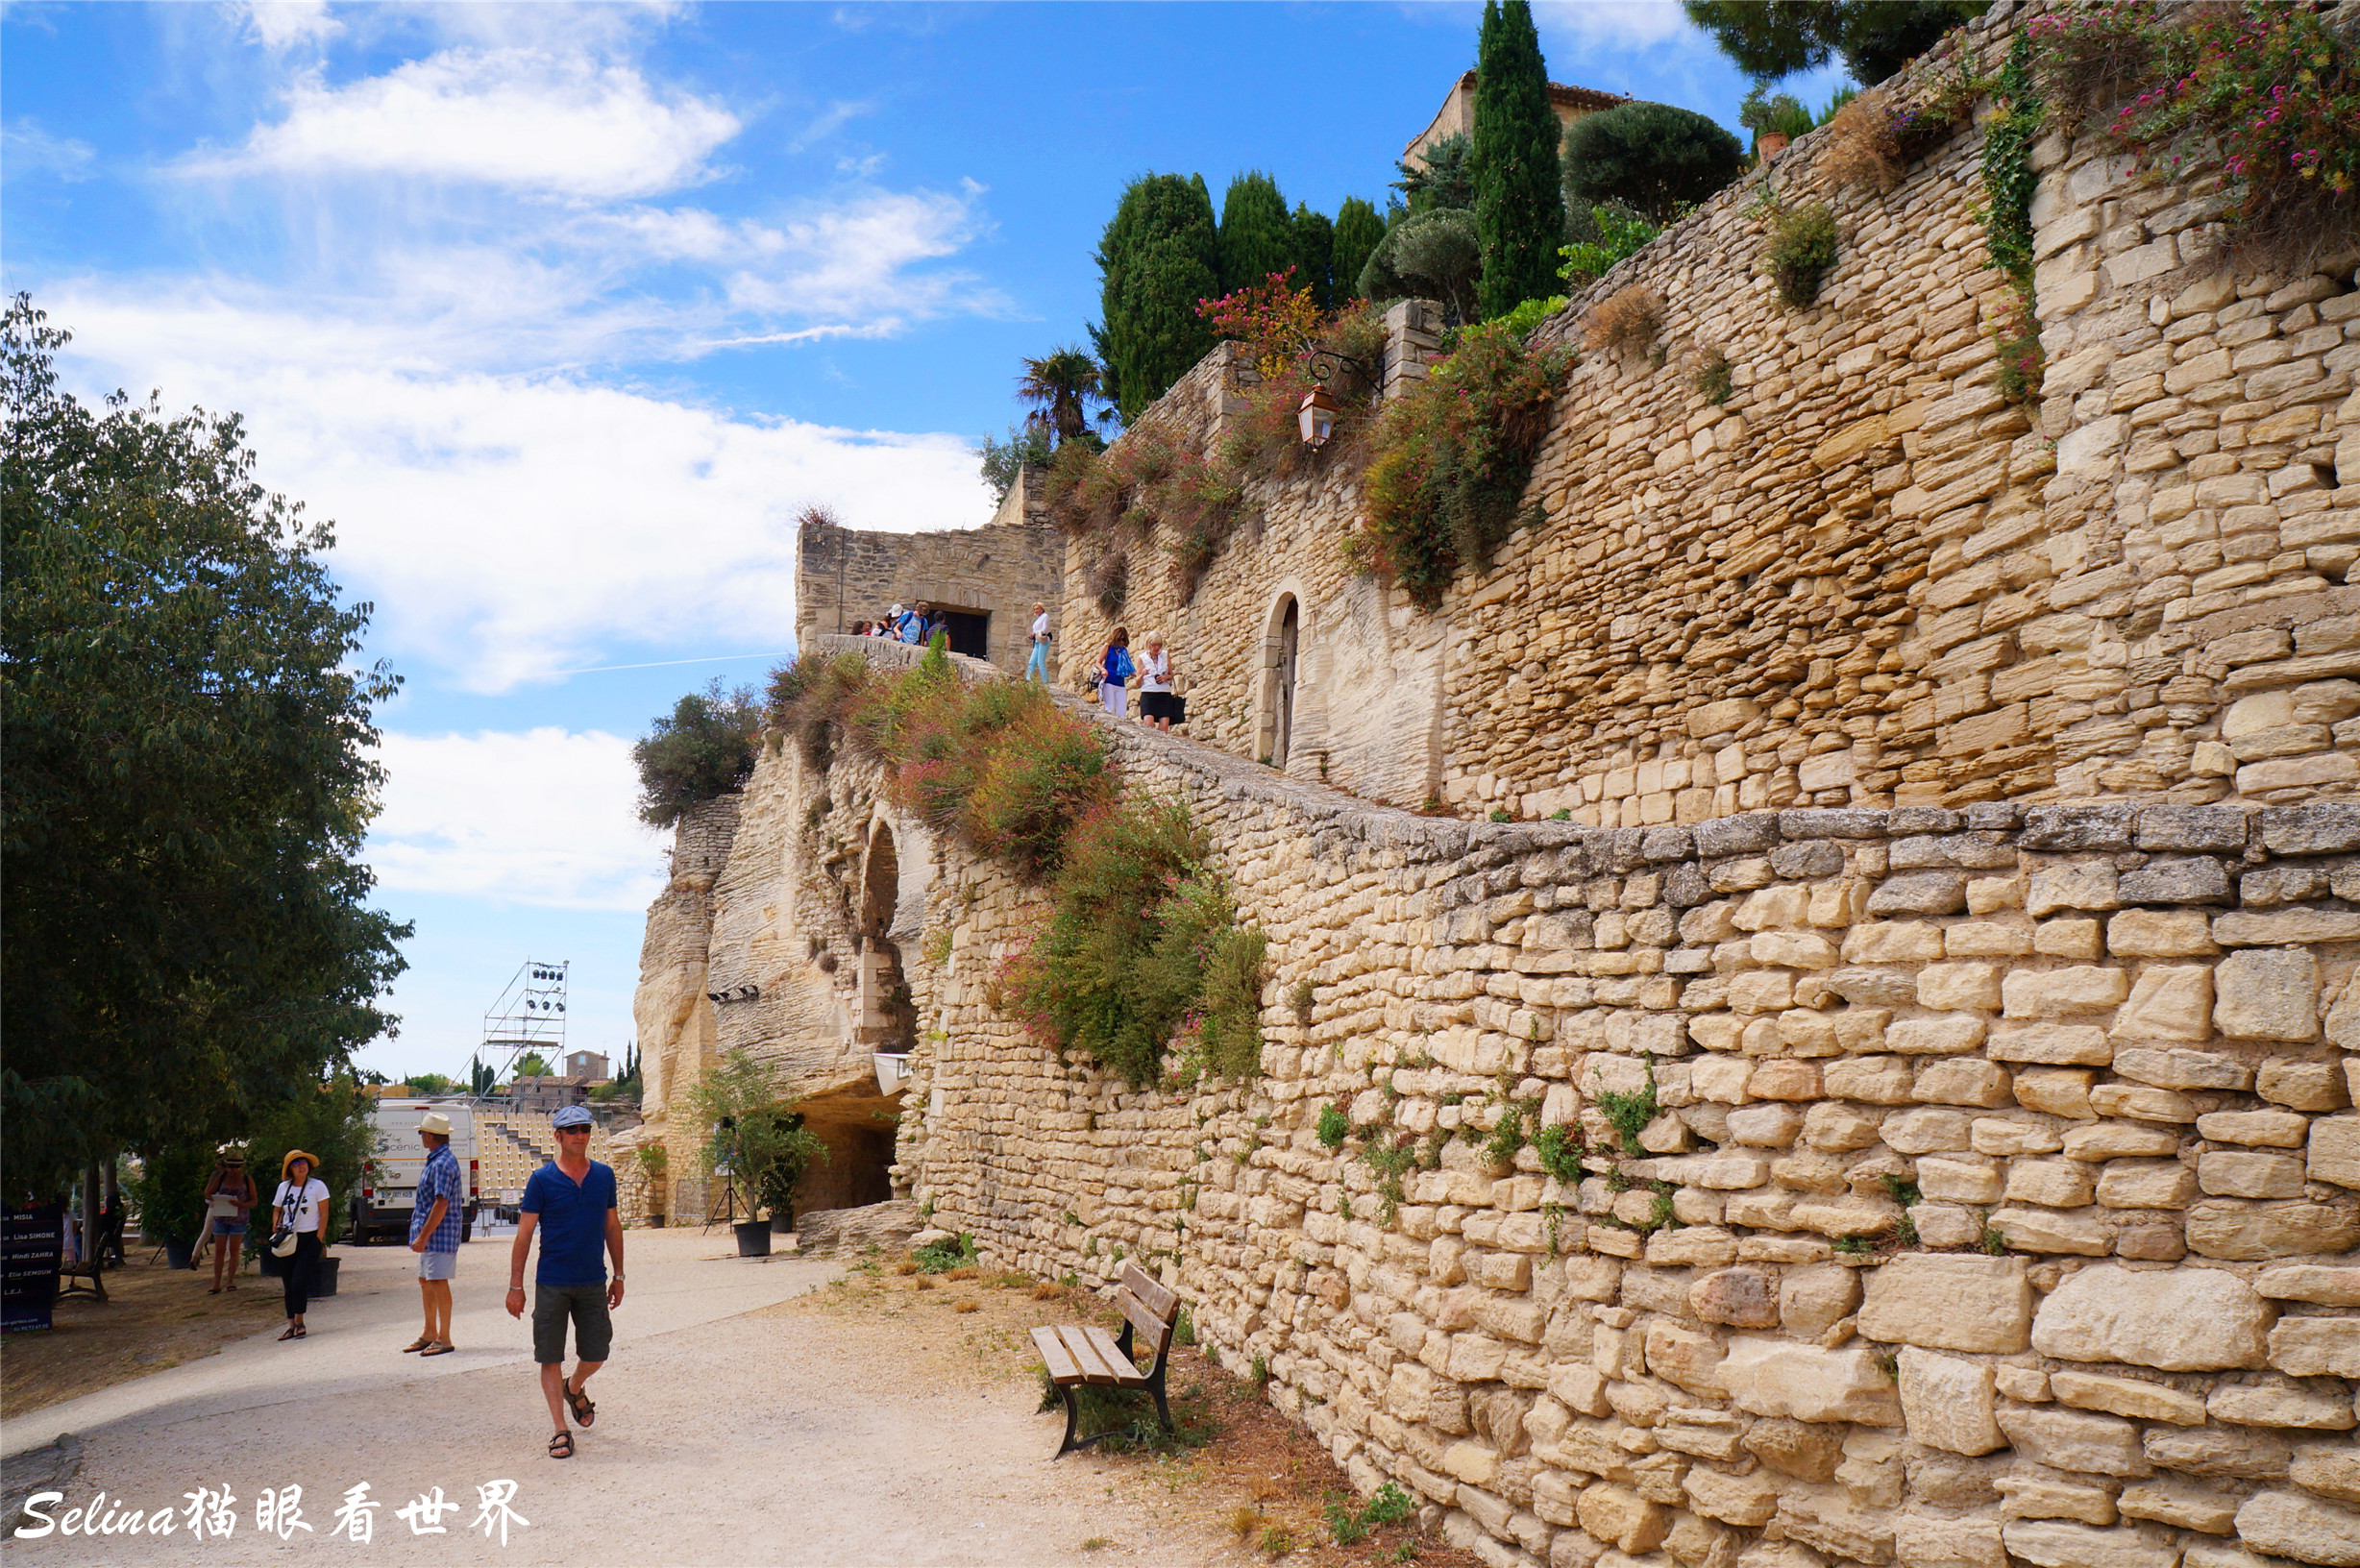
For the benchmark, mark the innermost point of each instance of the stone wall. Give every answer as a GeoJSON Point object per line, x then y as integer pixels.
{"type": "Point", "coordinates": [845, 576]}
{"type": "Point", "coordinates": [1864, 580]}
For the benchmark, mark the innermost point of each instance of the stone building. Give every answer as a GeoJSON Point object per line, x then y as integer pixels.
{"type": "Point", "coordinates": [1457, 116]}
{"type": "Point", "coordinates": [987, 580]}
{"type": "Point", "coordinates": [1944, 973]}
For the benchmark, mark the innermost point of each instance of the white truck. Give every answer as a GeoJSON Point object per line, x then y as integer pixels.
{"type": "Point", "coordinates": [389, 1179]}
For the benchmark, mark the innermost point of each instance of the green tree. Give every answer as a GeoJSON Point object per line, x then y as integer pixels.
{"type": "Point", "coordinates": [1652, 157]}
{"type": "Point", "coordinates": [1436, 254]}
{"type": "Point", "coordinates": [1315, 255]}
{"type": "Point", "coordinates": [1519, 211]}
{"type": "Point", "coordinates": [432, 1083]}
{"type": "Point", "coordinates": [1061, 385]}
{"type": "Point", "coordinates": [1359, 231]}
{"type": "Point", "coordinates": [1875, 37]}
{"type": "Point", "coordinates": [184, 938]}
{"type": "Point", "coordinates": [330, 1121]}
{"type": "Point", "coordinates": [1443, 175]}
{"type": "Point", "coordinates": [702, 750]}
{"type": "Point", "coordinates": [480, 1079]}
{"type": "Point", "coordinates": [532, 1064]}
{"type": "Point", "coordinates": [1000, 461]}
{"type": "Point", "coordinates": [1255, 239]}
{"type": "Point", "coordinates": [1159, 256]}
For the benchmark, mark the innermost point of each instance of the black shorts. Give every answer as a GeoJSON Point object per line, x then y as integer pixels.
{"type": "Point", "coordinates": [594, 1332]}
{"type": "Point", "coordinates": [1163, 706]}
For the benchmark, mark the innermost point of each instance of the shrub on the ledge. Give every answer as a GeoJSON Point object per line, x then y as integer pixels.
{"type": "Point", "coordinates": [1629, 318]}
{"type": "Point", "coordinates": [1452, 458]}
{"type": "Point", "coordinates": [702, 750]}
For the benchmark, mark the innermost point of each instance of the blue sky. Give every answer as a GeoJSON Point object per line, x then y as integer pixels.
{"type": "Point", "coordinates": [562, 312]}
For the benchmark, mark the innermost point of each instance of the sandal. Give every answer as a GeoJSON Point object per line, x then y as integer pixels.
{"type": "Point", "coordinates": [415, 1345]}
{"type": "Point", "coordinates": [585, 1413]}
{"type": "Point", "coordinates": [437, 1347]}
{"type": "Point", "coordinates": [214, 1291]}
{"type": "Point", "coordinates": [561, 1446]}
{"type": "Point", "coordinates": [292, 1333]}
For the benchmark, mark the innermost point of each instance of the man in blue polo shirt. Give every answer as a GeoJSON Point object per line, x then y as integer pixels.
{"type": "Point", "coordinates": [570, 1201]}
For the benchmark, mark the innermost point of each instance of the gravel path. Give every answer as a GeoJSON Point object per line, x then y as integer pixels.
{"type": "Point", "coordinates": [725, 1434]}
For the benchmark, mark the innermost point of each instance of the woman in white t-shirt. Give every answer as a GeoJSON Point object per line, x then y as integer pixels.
{"type": "Point", "coordinates": [301, 1205]}
{"type": "Point", "coordinates": [1157, 705]}
{"type": "Point", "coordinates": [1037, 667]}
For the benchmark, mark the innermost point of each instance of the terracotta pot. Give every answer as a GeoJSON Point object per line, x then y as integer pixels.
{"type": "Point", "coordinates": [1772, 143]}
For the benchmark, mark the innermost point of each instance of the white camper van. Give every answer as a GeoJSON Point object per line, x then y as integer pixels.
{"type": "Point", "coordinates": [389, 1179]}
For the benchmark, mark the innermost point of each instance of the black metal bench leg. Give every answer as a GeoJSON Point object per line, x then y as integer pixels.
{"type": "Point", "coordinates": [1155, 1387]}
{"type": "Point", "coordinates": [1072, 1415]}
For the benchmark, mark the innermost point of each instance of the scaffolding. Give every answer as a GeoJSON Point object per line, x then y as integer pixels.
{"type": "Point", "coordinates": [528, 1019]}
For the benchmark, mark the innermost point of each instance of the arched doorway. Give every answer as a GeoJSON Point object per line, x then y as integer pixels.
{"type": "Point", "coordinates": [1281, 648]}
{"type": "Point", "coordinates": [886, 1020]}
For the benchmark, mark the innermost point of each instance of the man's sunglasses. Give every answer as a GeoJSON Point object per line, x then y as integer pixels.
{"type": "Point", "coordinates": [584, 1131]}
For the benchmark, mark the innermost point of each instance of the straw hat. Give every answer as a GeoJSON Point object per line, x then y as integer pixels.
{"type": "Point", "coordinates": [435, 1121]}
{"type": "Point", "coordinates": [293, 1154]}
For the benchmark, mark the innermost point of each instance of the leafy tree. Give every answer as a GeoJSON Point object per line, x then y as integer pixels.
{"type": "Point", "coordinates": [1060, 385]}
{"type": "Point", "coordinates": [480, 1079]}
{"type": "Point", "coordinates": [1358, 231]}
{"type": "Point", "coordinates": [1875, 37]}
{"type": "Point", "coordinates": [532, 1064]}
{"type": "Point", "coordinates": [328, 1119]}
{"type": "Point", "coordinates": [432, 1083]}
{"type": "Point", "coordinates": [1159, 256]}
{"type": "Point", "coordinates": [1652, 157]}
{"type": "Point", "coordinates": [184, 938]}
{"type": "Point", "coordinates": [999, 460]}
{"type": "Point", "coordinates": [702, 750]}
{"type": "Point", "coordinates": [1443, 176]}
{"type": "Point", "coordinates": [1434, 254]}
{"type": "Point", "coordinates": [1256, 239]}
{"type": "Point", "coordinates": [1600, 236]}
{"type": "Point", "coordinates": [1519, 212]}
{"type": "Point", "coordinates": [1315, 255]}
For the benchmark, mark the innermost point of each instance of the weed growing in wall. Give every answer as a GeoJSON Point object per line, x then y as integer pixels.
{"type": "Point", "coordinates": [2016, 122]}
{"type": "Point", "coordinates": [1801, 253]}
{"type": "Point", "coordinates": [1713, 382]}
{"type": "Point", "coordinates": [1559, 1147]}
{"type": "Point", "coordinates": [1452, 458]}
{"type": "Point", "coordinates": [1628, 319]}
{"type": "Point", "coordinates": [1629, 1112]}
{"type": "Point", "coordinates": [1335, 1125]}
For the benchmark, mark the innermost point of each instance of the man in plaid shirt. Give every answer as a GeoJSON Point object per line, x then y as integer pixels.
{"type": "Point", "coordinates": [434, 1231]}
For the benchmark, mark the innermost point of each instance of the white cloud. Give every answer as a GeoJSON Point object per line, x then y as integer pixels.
{"type": "Point", "coordinates": [26, 148]}
{"type": "Point", "coordinates": [283, 24]}
{"type": "Point", "coordinates": [545, 816]}
{"type": "Point", "coordinates": [531, 120]}
{"type": "Point", "coordinates": [512, 526]}
{"type": "Point", "coordinates": [829, 121]}
{"type": "Point", "coordinates": [1626, 24]}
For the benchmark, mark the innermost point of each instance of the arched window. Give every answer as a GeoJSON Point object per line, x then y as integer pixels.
{"type": "Point", "coordinates": [1281, 649]}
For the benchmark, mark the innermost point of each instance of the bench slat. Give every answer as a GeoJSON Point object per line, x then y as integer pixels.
{"type": "Point", "coordinates": [1094, 1367]}
{"type": "Point", "coordinates": [1160, 1298]}
{"type": "Point", "coordinates": [1122, 1370]}
{"type": "Point", "coordinates": [1054, 1355]}
{"type": "Point", "coordinates": [1157, 1329]}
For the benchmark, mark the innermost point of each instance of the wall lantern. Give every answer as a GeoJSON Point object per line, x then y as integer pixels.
{"type": "Point", "coordinates": [1317, 417]}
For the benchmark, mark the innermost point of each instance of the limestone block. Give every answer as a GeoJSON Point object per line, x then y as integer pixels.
{"type": "Point", "coordinates": [1784, 1080]}
{"type": "Point", "coordinates": [2051, 1044]}
{"type": "Point", "coordinates": [1947, 1401]}
{"type": "Point", "coordinates": [2142, 1103]}
{"type": "Point", "coordinates": [1836, 1126]}
{"type": "Point", "coordinates": [1810, 1300]}
{"type": "Point", "coordinates": [1879, 1080]}
{"type": "Point", "coordinates": [2055, 1543]}
{"type": "Point", "coordinates": [1920, 893]}
{"type": "Point", "coordinates": [2056, 1183]}
{"type": "Point", "coordinates": [2267, 994]}
{"type": "Point", "coordinates": [2335, 1151]}
{"type": "Point", "coordinates": [2217, 1451]}
{"type": "Point", "coordinates": [1779, 1377]}
{"type": "Point", "coordinates": [2150, 933]}
{"type": "Point", "coordinates": [2073, 938]}
{"type": "Point", "coordinates": [2127, 1396]}
{"type": "Point", "coordinates": [2307, 1529]}
{"type": "Point", "coordinates": [2303, 1086]}
{"type": "Point", "coordinates": [2079, 885]}
{"type": "Point", "coordinates": [2009, 1132]}
{"type": "Point", "coordinates": [2178, 1068]}
{"type": "Point", "coordinates": [2195, 879]}
{"type": "Point", "coordinates": [1955, 986]}
{"type": "Point", "coordinates": [2241, 1174]}
{"type": "Point", "coordinates": [1475, 1464]}
{"type": "Point", "coordinates": [2181, 1505]}
{"type": "Point", "coordinates": [2145, 1184]}
{"type": "Point", "coordinates": [2035, 993]}
{"type": "Point", "coordinates": [1765, 1126]}
{"type": "Point", "coordinates": [1966, 1179]}
{"type": "Point", "coordinates": [1683, 1356]}
{"type": "Point", "coordinates": [2262, 929]}
{"type": "Point", "coordinates": [1932, 1540]}
{"type": "Point", "coordinates": [1925, 1132]}
{"type": "Point", "coordinates": [2315, 1347]}
{"type": "Point", "coordinates": [1947, 1035]}
{"type": "Point", "coordinates": [2098, 1445]}
{"type": "Point", "coordinates": [2241, 1232]}
{"type": "Point", "coordinates": [1745, 1501]}
{"type": "Point", "coordinates": [2037, 1496]}
{"type": "Point", "coordinates": [1947, 1224]}
{"type": "Point", "coordinates": [1945, 1302]}
{"type": "Point", "coordinates": [1743, 1298]}
{"type": "Point", "coordinates": [2328, 1285]}
{"type": "Point", "coordinates": [2055, 1093]}
{"type": "Point", "coordinates": [1579, 1387]}
{"type": "Point", "coordinates": [2332, 1470]}
{"type": "Point", "coordinates": [2177, 1320]}
{"type": "Point", "coordinates": [2053, 1229]}
{"type": "Point", "coordinates": [2281, 1403]}
{"type": "Point", "coordinates": [2264, 1129]}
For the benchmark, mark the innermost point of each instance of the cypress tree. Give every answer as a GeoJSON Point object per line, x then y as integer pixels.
{"type": "Point", "coordinates": [1159, 256]}
{"type": "Point", "coordinates": [1256, 239]}
{"type": "Point", "coordinates": [1358, 231]}
{"type": "Point", "coordinates": [1519, 211]}
{"type": "Point", "coordinates": [1315, 255]}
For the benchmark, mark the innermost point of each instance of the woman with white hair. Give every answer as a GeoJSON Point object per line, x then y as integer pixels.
{"type": "Point", "coordinates": [1158, 708]}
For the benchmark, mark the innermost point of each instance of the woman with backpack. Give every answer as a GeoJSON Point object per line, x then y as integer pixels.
{"type": "Point", "coordinates": [1114, 671]}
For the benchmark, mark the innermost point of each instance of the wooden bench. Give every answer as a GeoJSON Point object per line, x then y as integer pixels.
{"type": "Point", "coordinates": [1087, 1355]}
{"type": "Point", "coordinates": [92, 1271]}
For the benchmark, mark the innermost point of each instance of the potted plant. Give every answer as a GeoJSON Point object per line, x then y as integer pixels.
{"type": "Point", "coordinates": [779, 1150]}
{"type": "Point", "coordinates": [654, 1165]}
{"type": "Point", "coordinates": [1775, 119]}
{"type": "Point", "coordinates": [170, 1192]}
{"type": "Point", "coordinates": [755, 1139]}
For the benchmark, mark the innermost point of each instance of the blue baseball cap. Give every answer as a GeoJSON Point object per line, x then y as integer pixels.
{"type": "Point", "coordinates": [571, 1116]}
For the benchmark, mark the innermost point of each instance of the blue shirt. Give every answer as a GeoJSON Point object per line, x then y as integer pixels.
{"type": "Point", "coordinates": [440, 1179]}
{"type": "Point", "coordinates": [572, 1222]}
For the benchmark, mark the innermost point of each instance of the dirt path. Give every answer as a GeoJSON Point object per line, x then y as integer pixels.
{"type": "Point", "coordinates": [772, 1434]}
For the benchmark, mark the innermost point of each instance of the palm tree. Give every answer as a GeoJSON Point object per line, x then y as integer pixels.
{"type": "Point", "coordinates": [1058, 385]}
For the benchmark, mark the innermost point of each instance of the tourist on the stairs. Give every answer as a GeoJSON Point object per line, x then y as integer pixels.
{"type": "Point", "coordinates": [1158, 708]}
{"type": "Point", "coordinates": [1114, 671]}
{"type": "Point", "coordinates": [1037, 664]}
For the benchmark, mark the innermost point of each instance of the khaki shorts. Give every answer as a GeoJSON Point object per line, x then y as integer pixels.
{"type": "Point", "coordinates": [437, 1265]}
{"type": "Point", "coordinates": [594, 1332]}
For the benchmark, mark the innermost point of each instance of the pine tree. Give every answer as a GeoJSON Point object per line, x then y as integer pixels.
{"type": "Point", "coordinates": [1256, 239]}
{"type": "Point", "coordinates": [1519, 211]}
{"type": "Point", "coordinates": [1358, 231]}
{"type": "Point", "coordinates": [1160, 254]}
{"type": "Point", "coordinates": [1315, 255]}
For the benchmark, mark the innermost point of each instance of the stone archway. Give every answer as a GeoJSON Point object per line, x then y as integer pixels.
{"type": "Point", "coordinates": [1282, 642]}
{"type": "Point", "coordinates": [884, 1018]}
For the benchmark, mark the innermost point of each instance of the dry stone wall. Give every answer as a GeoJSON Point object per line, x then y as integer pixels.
{"type": "Point", "coordinates": [1865, 579]}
